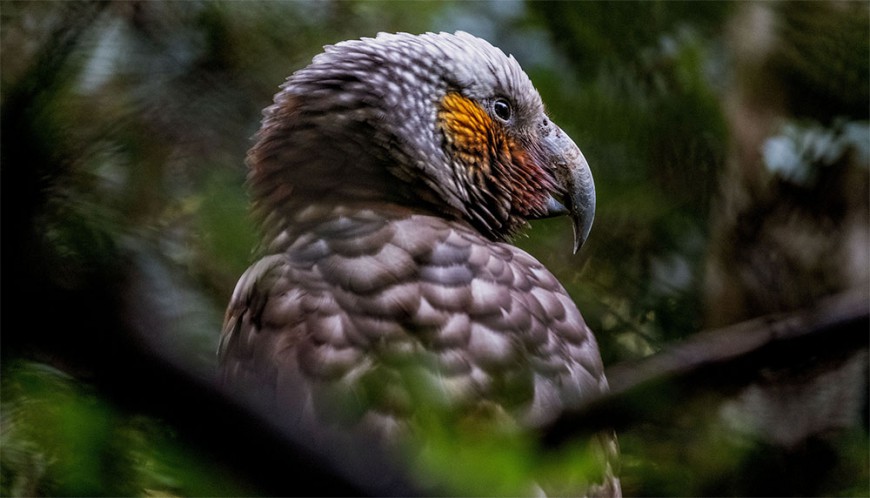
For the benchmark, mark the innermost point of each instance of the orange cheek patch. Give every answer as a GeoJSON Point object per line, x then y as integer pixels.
{"type": "Point", "coordinates": [506, 174]}
{"type": "Point", "coordinates": [469, 131]}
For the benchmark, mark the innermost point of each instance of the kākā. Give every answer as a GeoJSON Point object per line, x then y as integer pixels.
{"type": "Point", "coordinates": [387, 178]}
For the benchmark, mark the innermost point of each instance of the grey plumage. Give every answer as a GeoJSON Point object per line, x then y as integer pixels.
{"type": "Point", "coordinates": [366, 289]}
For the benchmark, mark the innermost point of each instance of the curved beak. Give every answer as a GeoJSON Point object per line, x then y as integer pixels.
{"type": "Point", "coordinates": [574, 190]}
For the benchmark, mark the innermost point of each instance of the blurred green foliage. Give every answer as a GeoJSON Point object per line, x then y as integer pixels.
{"type": "Point", "coordinates": [151, 120]}
{"type": "Point", "coordinates": [58, 438]}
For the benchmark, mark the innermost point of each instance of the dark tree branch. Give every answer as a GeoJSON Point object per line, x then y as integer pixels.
{"type": "Point", "coordinates": [722, 360]}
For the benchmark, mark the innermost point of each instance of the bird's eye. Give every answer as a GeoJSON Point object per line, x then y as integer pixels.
{"type": "Point", "coordinates": [502, 109]}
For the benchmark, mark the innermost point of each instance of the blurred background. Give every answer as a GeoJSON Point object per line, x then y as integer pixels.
{"type": "Point", "coordinates": [730, 147]}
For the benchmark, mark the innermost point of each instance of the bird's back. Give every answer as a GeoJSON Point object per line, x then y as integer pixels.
{"type": "Point", "coordinates": [362, 311]}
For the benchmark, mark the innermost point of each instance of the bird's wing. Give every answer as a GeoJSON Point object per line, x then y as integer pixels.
{"type": "Point", "coordinates": [365, 313]}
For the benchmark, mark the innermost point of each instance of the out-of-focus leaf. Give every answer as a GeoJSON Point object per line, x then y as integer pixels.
{"type": "Point", "coordinates": [60, 439]}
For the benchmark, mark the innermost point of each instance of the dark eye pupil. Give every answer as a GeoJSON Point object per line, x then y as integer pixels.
{"type": "Point", "coordinates": [502, 109]}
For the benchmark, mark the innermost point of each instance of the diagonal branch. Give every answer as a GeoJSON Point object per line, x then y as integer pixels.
{"type": "Point", "coordinates": [723, 360]}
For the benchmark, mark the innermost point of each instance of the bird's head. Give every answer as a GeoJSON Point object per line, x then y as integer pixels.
{"type": "Point", "coordinates": [446, 123]}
